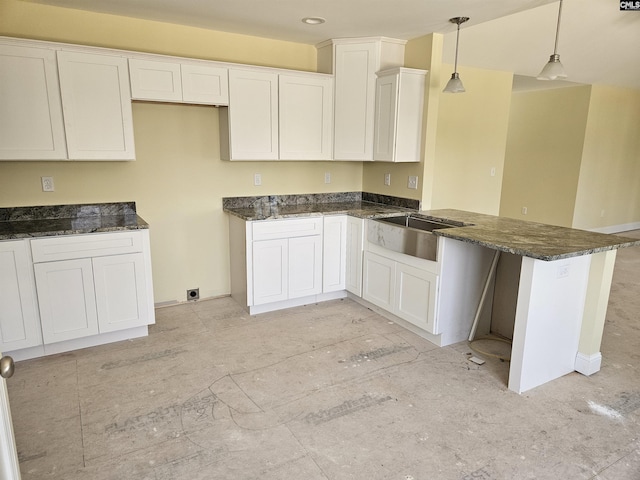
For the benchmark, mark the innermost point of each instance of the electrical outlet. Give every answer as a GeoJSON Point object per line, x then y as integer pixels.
{"type": "Point", "coordinates": [47, 184]}
{"type": "Point", "coordinates": [193, 294]}
{"type": "Point", "coordinates": [387, 179]}
{"type": "Point", "coordinates": [493, 171]}
{"type": "Point", "coordinates": [327, 177]}
{"type": "Point", "coordinates": [413, 182]}
{"type": "Point", "coordinates": [563, 271]}
{"type": "Point", "coordinates": [257, 179]}
{"type": "Point", "coordinates": [524, 210]}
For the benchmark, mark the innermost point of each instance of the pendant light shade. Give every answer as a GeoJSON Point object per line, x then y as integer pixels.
{"type": "Point", "coordinates": [454, 85]}
{"type": "Point", "coordinates": [554, 70]}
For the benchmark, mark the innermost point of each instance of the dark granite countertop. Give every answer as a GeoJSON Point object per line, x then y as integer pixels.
{"type": "Point", "coordinates": [530, 239]}
{"type": "Point", "coordinates": [51, 220]}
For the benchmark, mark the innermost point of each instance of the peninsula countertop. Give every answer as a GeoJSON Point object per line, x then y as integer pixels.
{"type": "Point", "coordinates": [52, 220]}
{"type": "Point", "coordinates": [530, 239]}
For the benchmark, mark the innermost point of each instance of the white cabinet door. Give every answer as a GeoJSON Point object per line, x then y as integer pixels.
{"type": "Point", "coordinates": [31, 125]}
{"type": "Point", "coordinates": [155, 80]}
{"type": "Point", "coordinates": [19, 321]}
{"type": "Point", "coordinates": [66, 298]}
{"type": "Point", "coordinates": [120, 284]}
{"type": "Point", "coordinates": [399, 112]}
{"type": "Point", "coordinates": [354, 250]}
{"type": "Point", "coordinates": [305, 266]}
{"type": "Point", "coordinates": [205, 84]}
{"type": "Point", "coordinates": [379, 281]}
{"type": "Point", "coordinates": [251, 130]}
{"type": "Point", "coordinates": [96, 101]}
{"type": "Point", "coordinates": [334, 258]}
{"type": "Point", "coordinates": [355, 67]}
{"type": "Point", "coordinates": [385, 119]}
{"type": "Point", "coordinates": [305, 117]}
{"type": "Point", "coordinates": [270, 271]}
{"type": "Point", "coordinates": [416, 293]}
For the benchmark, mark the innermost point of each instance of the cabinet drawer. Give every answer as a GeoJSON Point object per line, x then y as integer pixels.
{"type": "Point", "coordinates": [85, 246]}
{"type": "Point", "coordinates": [300, 227]}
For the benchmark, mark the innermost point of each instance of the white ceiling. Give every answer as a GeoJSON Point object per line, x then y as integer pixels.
{"type": "Point", "coordinates": [598, 43]}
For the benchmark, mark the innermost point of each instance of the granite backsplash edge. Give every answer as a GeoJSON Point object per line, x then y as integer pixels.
{"type": "Point", "coordinates": [315, 198]}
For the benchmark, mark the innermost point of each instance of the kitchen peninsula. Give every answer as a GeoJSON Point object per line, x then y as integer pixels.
{"type": "Point", "coordinates": [563, 280]}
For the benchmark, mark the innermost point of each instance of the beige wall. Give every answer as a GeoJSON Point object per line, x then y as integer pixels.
{"type": "Point", "coordinates": [178, 179]}
{"type": "Point", "coordinates": [43, 22]}
{"type": "Point", "coordinates": [544, 153]}
{"type": "Point", "coordinates": [470, 141]}
{"type": "Point", "coordinates": [609, 184]}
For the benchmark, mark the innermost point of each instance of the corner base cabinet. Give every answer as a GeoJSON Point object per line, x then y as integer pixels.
{"type": "Point", "coordinates": [85, 290]}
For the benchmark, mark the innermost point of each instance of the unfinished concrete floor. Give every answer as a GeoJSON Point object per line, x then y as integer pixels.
{"type": "Point", "coordinates": [329, 391]}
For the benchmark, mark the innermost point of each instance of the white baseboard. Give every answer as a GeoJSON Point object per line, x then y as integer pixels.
{"type": "Point", "coordinates": [78, 343]}
{"type": "Point", "coordinates": [435, 339]}
{"type": "Point", "coordinates": [625, 227]}
{"type": "Point", "coordinates": [296, 302]}
{"type": "Point", "coordinates": [588, 364]}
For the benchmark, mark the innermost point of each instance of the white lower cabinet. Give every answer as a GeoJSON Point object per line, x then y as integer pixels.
{"type": "Point", "coordinates": [415, 296]}
{"type": "Point", "coordinates": [354, 252]}
{"type": "Point", "coordinates": [91, 284]}
{"type": "Point", "coordinates": [379, 281]}
{"type": "Point", "coordinates": [55, 292]}
{"type": "Point", "coordinates": [67, 299]}
{"type": "Point", "coordinates": [19, 322]}
{"type": "Point", "coordinates": [404, 290]}
{"type": "Point", "coordinates": [286, 260]}
{"type": "Point", "coordinates": [121, 296]}
{"type": "Point", "coordinates": [270, 271]}
{"type": "Point", "coordinates": [334, 253]}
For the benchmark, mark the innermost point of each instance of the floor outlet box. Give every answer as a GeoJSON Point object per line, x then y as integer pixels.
{"type": "Point", "coordinates": [193, 294]}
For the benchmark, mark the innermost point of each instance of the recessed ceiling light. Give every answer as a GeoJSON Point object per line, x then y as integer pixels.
{"type": "Point", "coordinates": [313, 20]}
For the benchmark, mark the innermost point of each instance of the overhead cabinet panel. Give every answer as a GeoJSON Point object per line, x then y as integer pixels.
{"type": "Point", "coordinates": [178, 82]}
{"type": "Point", "coordinates": [152, 80]}
{"type": "Point", "coordinates": [96, 103]}
{"type": "Point", "coordinates": [205, 84]}
{"type": "Point", "coordinates": [252, 129]}
{"type": "Point", "coordinates": [306, 117]}
{"type": "Point", "coordinates": [31, 125]}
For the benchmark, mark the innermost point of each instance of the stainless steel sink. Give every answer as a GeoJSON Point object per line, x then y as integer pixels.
{"type": "Point", "coordinates": [415, 222]}
{"type": "Point", "coordinates": [406, 234]}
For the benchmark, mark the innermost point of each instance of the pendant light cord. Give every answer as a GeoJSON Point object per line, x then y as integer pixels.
{"type": "Point", "coordinates": [555, 48]}
{"type": "Point", "coordinates": [455, 65]}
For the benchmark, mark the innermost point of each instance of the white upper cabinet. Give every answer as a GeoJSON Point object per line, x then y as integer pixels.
{"type": "Point", "coordinates": [155, 80]}
{"type": "Point", "coordinates": [249, 130]}
{"type": "Point", "coordinates": [354, 63]}
{"type": "Point", "coordinates": [274, 116]}
{"type": "Point", "coordinates": [180, 82]}
{"type": "Point", "coordinates": [205, 84]}
{"type": "Point", "coordinates": [31, 125]}
{"type": "Point", "coordinates": [96, 102]}
{"type": "Point", "coordinates": [305, 117]}
{"type": "Point", "coordinates": [399, 111]}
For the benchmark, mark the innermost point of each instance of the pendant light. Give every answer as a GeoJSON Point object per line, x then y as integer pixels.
{"type": "Point", "coordinates": [554, 70]}
{"type": "Point", "coordinates": [454, 85]}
